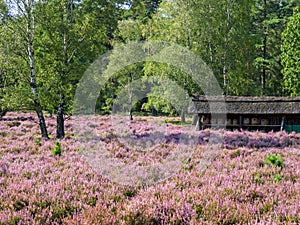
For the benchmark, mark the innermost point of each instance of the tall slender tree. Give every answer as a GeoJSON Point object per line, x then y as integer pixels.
{"type": "Point", "coordinates": [72, 34]}
{"type": "Point", "coordinates": [22, 24]}
{"type": "Point", "coordinates": [291, 55]}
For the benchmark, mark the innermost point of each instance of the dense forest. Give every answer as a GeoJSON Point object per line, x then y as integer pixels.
{"type": "Point", "coordinates": [252, 47]}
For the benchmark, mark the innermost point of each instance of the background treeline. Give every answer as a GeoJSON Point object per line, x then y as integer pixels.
{"type": "Point", "coordinates": [252, 46]}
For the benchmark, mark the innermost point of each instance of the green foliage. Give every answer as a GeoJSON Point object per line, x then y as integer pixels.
{"type": "Point", "coordinates": [277, 177]}
{"type": "Point", "coordinates": [68, 37]}
{"type": "Point", "coordinates": [43, 204]}
{"type": "Point", "coordinates": [274, 160]}
{"type": "Point", "coordinates": [92, 201]}
{"type": "Point", "coordinates": [14, 124]}
{"type": "Point", "coordinates": [140, 10]}
{"type": "Point", "coordinates": [187, 164]}
{"type": "Point", "coordinates": [65, 38]}
{"type": "Point", "coordinates": [129, 30]}
{"type": "Point", "coordinates": [255, 195]}
{"type": "Point", "coordinates": [199, 210]}
{"type": "Point", "coordinates": [266, 208]}
{"type": "Point", "coordinates": [130, 193]}
{"type": "Point", "coordinates": [218, 31]}
{"type": "Point", "coordinates": [239, 40]}
{"type": "Point", "coordinates": [258, 179]}
{"type": "Point", "coordinates": [60, 212]}
{"type": "Point", "coordinates": [20, 204]}
{"type": "Point", "coordinates": [14, 88]}
{"type": "Point", "coordinates": [269, 19]}
{"type": "Point", "coordinates": [28, 175]}
{"type": "Point", "coordinates": [235, 154]}
{"type": "Point", "coordinates": [3, 134]}
{"type": "Point", "coordinates": [57, 149]}
{"type": "Point", "coordinates": [290, 55]}
{"type": "Point", "coordinates": [15, 220]}
{"type": "Point", "coordinates": [37, 142]}
{"type": "Point", "coordinates": [3, 12]}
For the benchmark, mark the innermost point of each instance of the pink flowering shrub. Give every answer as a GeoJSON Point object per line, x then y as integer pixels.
{"type": "Point", "coordinates": [239, 187]}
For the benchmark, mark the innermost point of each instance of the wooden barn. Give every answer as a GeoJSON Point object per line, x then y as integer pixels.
{"type": "Point", "coordinates": [248, 113]}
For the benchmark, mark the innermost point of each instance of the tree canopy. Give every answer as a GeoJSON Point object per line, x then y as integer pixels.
{"type": "Point", "coordinates": [291, 55]}
{"type": "Point", "coordinates": [252, 47]}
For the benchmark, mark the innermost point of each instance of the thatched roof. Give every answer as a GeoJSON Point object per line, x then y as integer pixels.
{"type": "Point", "coordinates": [244, 105]}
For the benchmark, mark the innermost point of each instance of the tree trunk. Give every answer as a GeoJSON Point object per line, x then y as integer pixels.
{"type": "Point", "coordinates": [199, 123]}
{"type": "Point", "coordinates": [225, 79]}
{"type": "Point", "coordinates": [182, 116]}
{"type": "Point", "coordinates": [30, 54]}
{"type": "Point", "coordinates": [263, 77]}
{"type": "Point", "coordinates": [130, 96]}
{"type": "Point", "coordinates": [153, 111]}
{"type": "Point", "coordinates": [60, 123]}
{"type": "Point", "coordinates": [195, 119]}
{"type": "Point", "coordinates": [42, 122]}
{"type": "Point", "coordinates": [225, 82]}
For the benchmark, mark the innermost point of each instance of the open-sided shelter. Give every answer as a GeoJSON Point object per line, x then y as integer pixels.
{"type": "Point", "coordinates": [252, 113]}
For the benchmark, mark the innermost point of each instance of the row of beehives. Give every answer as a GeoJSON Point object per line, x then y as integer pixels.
{"type": "Point", "coordinates": [229, 121]}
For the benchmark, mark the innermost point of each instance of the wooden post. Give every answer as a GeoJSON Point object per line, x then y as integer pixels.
{"type": "Point", "coordinates": [282, 123]}
{"type": "Point", "coordinates": [195, 119]}
{"type": "Point", "coordinates": [199, 123]}
{"type": "Point", "coordinates": [241, 122]}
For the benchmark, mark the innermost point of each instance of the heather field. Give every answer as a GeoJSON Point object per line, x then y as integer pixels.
{"type": "Point", "coordinates": [253, 178]}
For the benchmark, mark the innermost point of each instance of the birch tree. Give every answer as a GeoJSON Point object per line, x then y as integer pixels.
{"type": "Point", "coordinates": [72, 35]}
{"type": "Point", "coordinates": [22, 26]}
